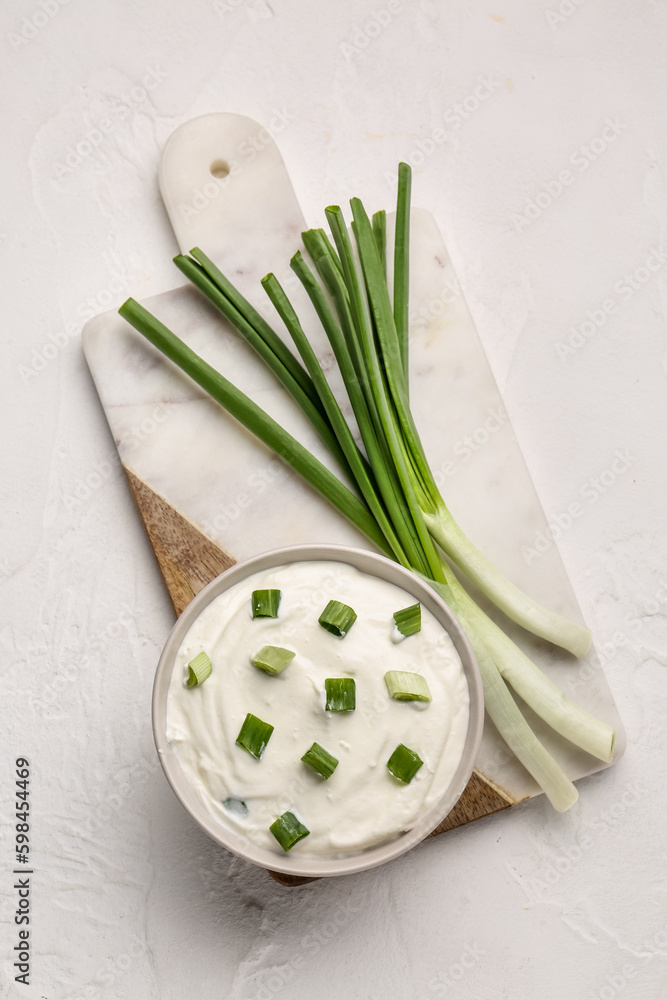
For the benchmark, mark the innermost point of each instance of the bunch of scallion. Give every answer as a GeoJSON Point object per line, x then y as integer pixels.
{"type": "Point", "coordinates": [394, 499]}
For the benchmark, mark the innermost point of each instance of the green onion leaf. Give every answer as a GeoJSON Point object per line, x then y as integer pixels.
{"type": "Point", "coordinates": [265, 603]}
{"type": "Point", "coordinates": [401, 262]}
{"type": "Point", "coordinates": [404, 686]}
{"type": "Point", "coordinates": [408, 620]}
{"type": "Point", "coordinates": [337, 618]}
{"type": "Point", "coordinates": [256, 420]}
{"type": "Point", "coordinates": [320, 760]}
{"type": "Point", "coordinates": [272, 659]}
{"type": "Point", "coordinates": [257, 332]}
{"type": "Point", "coordinates": [404, 763]}
{"type": "Point", "coordinates": [254, 735]}
{"type": "Point", "coordinates": [237, 806]}
{"type": "Point", "coordinates": [380, 234]}
{"type": "Point", "coordinates": [199, 669]}
{"type": "Point", "coordinates": [237, 308]}
{"type": "Point", "coordinates": [341, 694]}
{"type": "Point", "coordinates": [288, 830]}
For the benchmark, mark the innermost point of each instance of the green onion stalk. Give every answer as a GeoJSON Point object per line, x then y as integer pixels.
{"type": "Point", "coordinates": [392, 497]}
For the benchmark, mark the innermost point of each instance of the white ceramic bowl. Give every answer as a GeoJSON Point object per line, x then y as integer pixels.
{"type": "Point", "coordinates": [315, 867]}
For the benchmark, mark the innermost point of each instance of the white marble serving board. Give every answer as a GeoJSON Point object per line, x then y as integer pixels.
{"type": "Point", "coordinates": [215, 473]}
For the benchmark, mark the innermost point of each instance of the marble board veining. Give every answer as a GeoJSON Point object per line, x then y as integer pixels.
{"type": "Point", "coordinates": [226, 190]}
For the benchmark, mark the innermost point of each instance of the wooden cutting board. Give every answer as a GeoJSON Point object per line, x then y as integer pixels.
{"type": "Point", "coordinates": [209, 494]}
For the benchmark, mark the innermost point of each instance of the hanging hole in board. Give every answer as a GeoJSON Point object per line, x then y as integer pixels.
{"type": "Point", "coordinates": [219, 168]}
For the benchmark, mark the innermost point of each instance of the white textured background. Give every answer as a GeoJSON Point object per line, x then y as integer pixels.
{"type": "Point", "coordinates": [129, 899]}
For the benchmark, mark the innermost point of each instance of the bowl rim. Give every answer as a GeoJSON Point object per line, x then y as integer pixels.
{"type": "Point", "coordinates": [315, 867]}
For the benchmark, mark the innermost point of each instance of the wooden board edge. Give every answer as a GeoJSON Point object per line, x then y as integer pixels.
{"type": "Point", "coordinates": [188, 560]}
{"type": "Point", "coordinates": [291, 881]}
{"type": "Point", "coordinates": [481, 797]}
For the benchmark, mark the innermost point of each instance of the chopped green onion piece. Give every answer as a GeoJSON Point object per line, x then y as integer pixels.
{"type": "Point", "coordinates": [320, 760]}
{"type": "Point", "coordinates": [404, 686]}
{"type": "Point", "coordinates": [409, 620]}
{"type": "Point", "coordinates": [288, 830]}
{"type": "Point", "coordinates": [272, 659]}
{"type": "Point", "coordinates": [199, 669]}
{"type": "Point", "coordinates": [337, 618]}
{"type": "Point", "coordinates": [254, 735]}
{"type": "Point", "coordinates": [341, 694]}
{"type": "Point", "coordinates": [237, 806]}
{"type": "Point", "coordinates": [404, 763]}
{"type": "Point", "coordinates": [265, 603]}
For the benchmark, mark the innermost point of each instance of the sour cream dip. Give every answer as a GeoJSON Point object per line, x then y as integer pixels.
{"type": "Point", "coordinates": [362, 804]}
